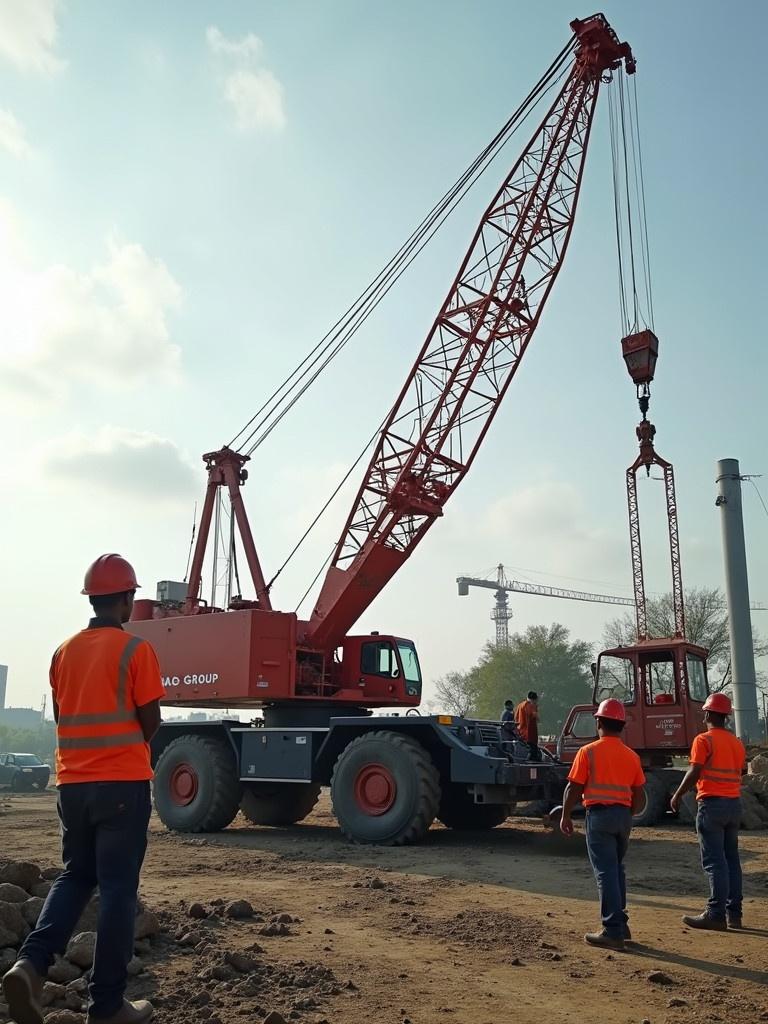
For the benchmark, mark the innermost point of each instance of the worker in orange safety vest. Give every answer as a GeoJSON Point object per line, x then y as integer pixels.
{"type": "Point", "coordinates": [527, 721]}
{"type": "Point", "coordinates": [607, 777]}
{"type": "Point", "coordinates": [106, 701]}
{"type": "Point", "coordinates": [718, 760]}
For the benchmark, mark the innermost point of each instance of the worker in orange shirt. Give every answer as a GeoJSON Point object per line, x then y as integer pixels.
{"type": "Point", "coordinates": [527, 721]}
{"type": "Point", "coordinates": [106, 701]}
{"type": "Point", "coordinates": [608, 778]}
{"type": "Point", "coordinates": [718, 759]}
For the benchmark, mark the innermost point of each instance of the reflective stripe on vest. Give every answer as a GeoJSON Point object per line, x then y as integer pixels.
{"type": "Point", "coordinates": [121, 715]}
{"type": "Point", "coordinates": [600, 791]}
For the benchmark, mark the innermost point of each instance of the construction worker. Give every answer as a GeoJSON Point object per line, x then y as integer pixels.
{"type": "Point", "coordinates": [508, 727]}
{"type": "Point", "coordinates": [718, 760]}
{"type": "Point", "coordinates": [527, 719]}
{"type": "Point", "coordinates": [607, 777]}
{"type": "Point", "coordinates": [106, 692]}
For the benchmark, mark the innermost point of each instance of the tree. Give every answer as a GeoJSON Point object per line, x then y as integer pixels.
{"type": "Point", "coordinates": [706, 624]}
{"type": "Point", "coordinates": [544, 659]}
{"type": "Point", "coordinates": [457, 693]}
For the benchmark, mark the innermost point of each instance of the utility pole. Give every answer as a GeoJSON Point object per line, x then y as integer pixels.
{"type": "Point", "coordinates": [737, 595]}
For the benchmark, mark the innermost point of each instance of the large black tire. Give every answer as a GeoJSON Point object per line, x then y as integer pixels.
{"type": "Point", "coordinates": [385, 790]}
{"type": "Point", "coordinates": [278, 803]}
{"type": "Point", "coordinates": [655, 806]}
{"type": "Point", "coordinates": [196, 788]}
{"type": "Point", "coordinates": [459, 811]}
{"type": "Point", "coordinates": [18, 783]}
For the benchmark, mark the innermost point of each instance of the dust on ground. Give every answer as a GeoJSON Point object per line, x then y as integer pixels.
{"type": "Point", "coordinates": [472, 928]}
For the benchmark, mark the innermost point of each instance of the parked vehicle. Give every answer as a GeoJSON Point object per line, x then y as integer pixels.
{"type": "Point", "coordinates": [22, 772]}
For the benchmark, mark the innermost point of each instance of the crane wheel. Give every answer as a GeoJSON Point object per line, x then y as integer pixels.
{"type": "Point", "coordinates": [655, 806]}
{"type": "Point", "coordinates": [278, 803]}
{"type": "Point", "coordinates": [458, 811]}
{"type": "Point", "coordinates": [196, 787]}
{"type": "Point", "coordinates": [385, 790]}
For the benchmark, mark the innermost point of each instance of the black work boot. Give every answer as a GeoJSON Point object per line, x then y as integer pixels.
{"type": "Point", "coordinates": [703, 921]}
{"type": "Point", "coordinates": [22, 988]}
{"type": "Point", "coordinates": [627, 934]}
{"type": "Point", "coordinates": [734, 921]}
{"type": "Point", "coordinates": [603, 940]}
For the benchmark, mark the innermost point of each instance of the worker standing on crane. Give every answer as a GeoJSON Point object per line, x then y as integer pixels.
{"type": "Point", "coordinates": [508, 727]}
{"type": "Point", "coordinates": [608, 778]}
{"type": "Point", "coordinates": [106, 701]}
{"type": "Point", "coordinates": [527, 719]}
{"type": "Point", "coordinates": [718, 760]}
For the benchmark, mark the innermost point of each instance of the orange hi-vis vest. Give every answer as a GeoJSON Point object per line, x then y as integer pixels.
{"type": "Point", "coordinates": [608, 770]}
{"type": "Point", "coordinates": [99, 677]}
{"type": "Point", "coordinates": [723, 757]}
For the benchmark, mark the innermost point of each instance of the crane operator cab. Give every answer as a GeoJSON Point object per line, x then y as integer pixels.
{"type": "Point", "coordinates": [662, 684]}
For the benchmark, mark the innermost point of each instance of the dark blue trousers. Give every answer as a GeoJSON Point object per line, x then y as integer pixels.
{"type": "Point", "coordinates": [103, 839]}
{"type": "Point", "coordinates": [608, 828]}
{"type": "Point", "coordinates": [717, 823]}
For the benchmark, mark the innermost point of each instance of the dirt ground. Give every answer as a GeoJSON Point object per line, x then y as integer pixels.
{"type": "Point", "coordinates": [473, 928]}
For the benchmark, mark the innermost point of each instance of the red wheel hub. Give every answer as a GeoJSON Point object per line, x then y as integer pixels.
{"type": "Point", "coordinates": [375, 789]}
{"type": "Point", "coordinates": [183, 784]}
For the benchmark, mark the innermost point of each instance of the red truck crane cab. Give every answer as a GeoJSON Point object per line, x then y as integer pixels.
{"type": "Point", "coordinates": [662, 684]}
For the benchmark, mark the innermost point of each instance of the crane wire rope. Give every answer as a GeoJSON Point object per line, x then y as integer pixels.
{"type": "Point", "coordinates": [281, 400]}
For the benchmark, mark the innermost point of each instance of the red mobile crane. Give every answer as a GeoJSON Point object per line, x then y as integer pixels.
{"type": "Point", "coordinates": [389, 776]}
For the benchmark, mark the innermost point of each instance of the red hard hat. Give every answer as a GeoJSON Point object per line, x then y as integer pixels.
{"type": "Point", "coordinates": [718, 702]}
{"type": "Point", "coordinates": [109, 574]}
{"type": "Point", "coordinates": [611, 708]}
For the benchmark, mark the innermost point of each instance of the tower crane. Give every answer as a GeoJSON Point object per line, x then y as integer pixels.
{"type": "Point", "coordinates": [316, 682]}
{"type": "Point", "coordinates": [502, 586]}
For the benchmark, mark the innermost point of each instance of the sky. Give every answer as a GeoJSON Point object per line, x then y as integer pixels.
{"type": "Point", "coordinates": [190, 195]}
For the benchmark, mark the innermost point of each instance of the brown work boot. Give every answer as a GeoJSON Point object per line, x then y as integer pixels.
{"type": "Point", "coordinates": [603, 940]}
{"type": "Point", "coordinates": [129, 1013]}
{"type": "Point", "coordinates": [735, 922]}
{"type": "Point", "coordinates": [22, 988]}
{"type": "Point", "coordinates": [710, 924]}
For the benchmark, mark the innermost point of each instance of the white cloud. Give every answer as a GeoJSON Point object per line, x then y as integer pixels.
{"type": "Point", "coordinates": [28, 32]}
{"type": "Point", "coordinates": [247, 48]}
{"type": "Point", "coordinates": [107, 325]}
{"type": "Point", "coordinates": [125, 463]}
{"type": "Point", "coordinates": [12, 137]}
{"type": "Point", "coordinates": [257, 98]}
{"type": "Point", "coordinates": [254, 92]}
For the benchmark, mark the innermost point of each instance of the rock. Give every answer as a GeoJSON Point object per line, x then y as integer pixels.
{"type": "Point", "coordinates": [240, 961]}
{"type": "Point", "coordinates": [80, 987]}
{"type": "Point", "coordinates": [63, 972]}
{"type": "Point", "coordinates": [660, 978]}
{"type": "Point", "coordinates": [12, 921]}
{"type": "Point", "coordinates": [11, 893]}
{"type": "Point", "coordinates": [275, 1018]}
{"type": "Point", "coordinates": [21, 873]}
{"type": "Point", "coordinates": [753, 814]}
{"type": "Point", "coordinates": [758, 765]}
{"type": "Point", "coordinates": [201, 998]}
{"type": "Point", "coordinates": [217, 972]}
{"type": "Point", "coordinates": [135, 967]}
{"type": "Point", "coordinates": [41, 889]}
{"type": "Point", "coordinates": [308, 1003]}
{"type": "Point", "coordinates": [376, 883]}
{"type": "Point", "coordinates": [677, 1002]}
{"type": "Point", "coordinates": [7, 959]}
{"type": "Point", "coordinates": [329, 931]}
{"type": "Point", "coordinates": [238, 910]}
{"type": "Point", "coordinates": [146, 924]}
{"type": "Point", "coordinates": [73, 1002]}
{"type": "Point", "coordinates": [283, 919]}
{"type": "Point", "coordinates": [81, 948]}
{"type": "Point", "coordinates": [31, 910]}
{"type": "Point", "coordinates": [65, 1017]}
{"type": "Point", "coordinates": [198, 911]}
{"type": "Point", "coordinates": [143, 947]}
{"type": "Point", "coordinates": [51, 874]}
{"type": "Point", "coordinates": [190, 939]}
{"type": "Point", "coordinates": [51, 992]}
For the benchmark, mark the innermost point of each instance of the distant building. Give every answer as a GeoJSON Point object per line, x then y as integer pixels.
{"type": "Point", "coordinates": [3, 684]}
{"type": "Point", "coordinates": [21, 718]}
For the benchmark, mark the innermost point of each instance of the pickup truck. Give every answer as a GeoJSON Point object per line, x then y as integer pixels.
{"type": "Point", "coordinates": [23, 772]}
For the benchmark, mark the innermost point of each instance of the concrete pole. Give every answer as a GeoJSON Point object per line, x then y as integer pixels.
{"type": "Point", "coordinates": [737, 596]}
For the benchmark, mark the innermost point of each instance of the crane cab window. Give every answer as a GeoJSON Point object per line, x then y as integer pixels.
{"type": "Point", "coordinates": [615, 678]}
{"type": "Point", "coordinates": [411, 669]}
{"type": "Point", "coordinates": [378, 658]}
{"type": "Point", "coordinates": [658, 671]}
{"type": "Point", "coordinates": [697, 678]}
{"type": "Point", "coordinates": [584, 726]}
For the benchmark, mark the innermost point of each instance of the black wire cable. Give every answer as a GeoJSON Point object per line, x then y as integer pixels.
{"type": "Point", "coordinates": [357, 313]}
{"type": "Point", "coordinates": [643, 207]}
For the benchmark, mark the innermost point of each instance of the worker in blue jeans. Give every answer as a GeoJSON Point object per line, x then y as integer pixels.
{"type": "Point", "coordinates": [717, 761]}
{"type": "Point", "coordinates": [608, 778]}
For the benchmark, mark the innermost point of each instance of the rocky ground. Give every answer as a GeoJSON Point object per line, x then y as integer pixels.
{"type": "Point", "coordinates": [296, 925]}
